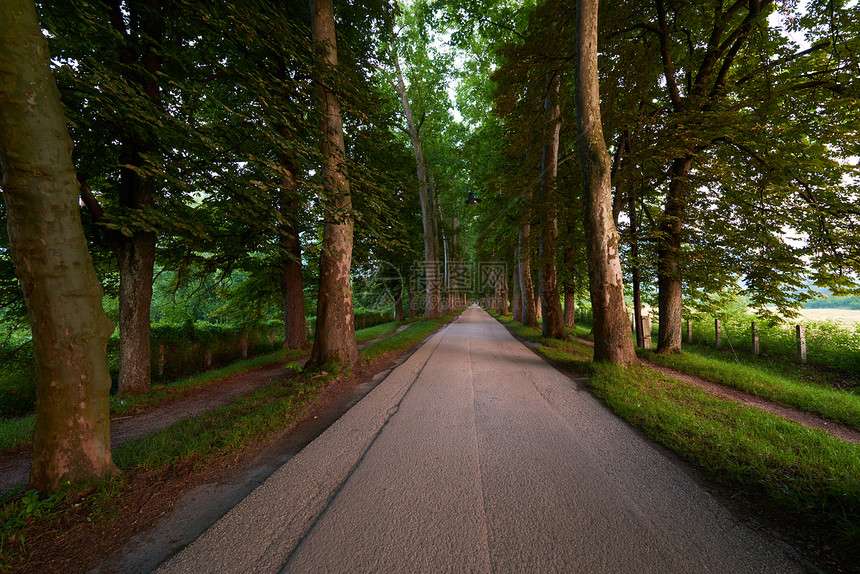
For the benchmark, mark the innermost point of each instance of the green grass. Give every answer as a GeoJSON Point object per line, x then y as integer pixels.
{"type": "Point", "coordinates": [791, 391]}
{"type": "Point", "coordinates": [381, 330]}
{"type": "Point", "coordinates": [15, 433]}
{"type": "Point", "coordinates": [803, 473]}
{"type": "Point", "coordinates": [404, 339]}
{"type": "Point", "coordinates": [254, 417]}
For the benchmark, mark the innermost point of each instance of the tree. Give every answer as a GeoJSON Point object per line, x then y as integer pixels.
{"type": "Point", "coordinates": [427, 193]}
{"type": "Point", "coordinates": [612, 341]}
{"type": "Point", "coordinates": [71, 438]}
{"type": "Point", "coordinates": [335, 329]}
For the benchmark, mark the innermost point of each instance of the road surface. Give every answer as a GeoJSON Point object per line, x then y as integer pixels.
{"type": "Point", "coordinates": [476, 456]}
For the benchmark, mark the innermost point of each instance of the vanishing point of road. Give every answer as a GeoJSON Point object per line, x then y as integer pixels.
{"type": "Point", "coordinates": [475, 455]}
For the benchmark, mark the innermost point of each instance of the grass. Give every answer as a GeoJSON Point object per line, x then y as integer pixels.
{"type": "Point", "coordinates": [16, 433]}
{"type": "Point", "coordinates": [381, 330]}
{"type": "Point", "coordinates": [414, 333]}
{"type": "Point", "coordinates": [805, 474]}
{"type": "Point", "coordinates": [791, 391]}
{"type": "Point", "coordinates": [250, 418]}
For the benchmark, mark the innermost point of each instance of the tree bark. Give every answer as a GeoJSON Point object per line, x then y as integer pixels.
{"type": "Point", "coordinates": [569, 290]}
{"type": "Point", "coordinates": [334, 340]}
{"type": "Point", "coordinates": [612, 340]}
{"type": "Point", "coordinates": [71, 439]}
{"type": "Point", "coordinates": [529, 312]}
{"type": "Point", "coordinates": [669, 286]}
{"type": "Point", "coordinates": [517, 303]}
{"type": "Point", "coordinates": [634, 271]}
{"type": "Point", "coordinates": [136, 253]}
{"type": "Point", "coordinates": [292, 284]}
{"type": "Point", "coordinates": [553, 319]}
{"type": "Point", "coordinates": [426, 193]}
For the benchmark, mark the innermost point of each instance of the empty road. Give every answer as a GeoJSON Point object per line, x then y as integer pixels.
{"type": "Point", "coordinates": [474, 455]}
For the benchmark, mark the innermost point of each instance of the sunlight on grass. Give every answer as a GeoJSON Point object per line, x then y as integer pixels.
{"type": "Point", "coordinates": [837, 405]}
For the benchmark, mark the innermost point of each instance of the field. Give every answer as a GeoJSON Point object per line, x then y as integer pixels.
{"type": "Point", "coordinates": [847, 317]}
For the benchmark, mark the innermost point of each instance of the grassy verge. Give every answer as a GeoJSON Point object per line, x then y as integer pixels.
{"type": "Point", "coordinates": [802, 473]}
{"type": "Point", "coordinates": [404, 339]}
{"type": "Point", "coordinates": [15, 433]}
{"type": "Point", "coordinates": [382, 330]}
{"type": "Point", "coordinates": [791, 391]}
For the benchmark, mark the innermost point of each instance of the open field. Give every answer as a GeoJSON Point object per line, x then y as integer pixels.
{"type": "Point", "coordinates": [847, 317]}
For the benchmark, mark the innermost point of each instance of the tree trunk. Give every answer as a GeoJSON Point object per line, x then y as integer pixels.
{"type": "Point", "coordinates": [426, 193]}
{"type": "Point", "coordinates": [569, 310]}
{"type": "Point", "coordinates": [612, 340]}
{"type": "Point", "coordinates": [569, 290]}
{"type": "Point", "coordinates": [292, 285]}
{"type": "Point", "coordinates": [553, 319]}
{"type": "Point", "coordinates": [71, 439]}
{"type": "Point", "coordinates": [517, 303]}
{"type": "Point", "coordinates": [334, 340]}
{"type": "Point", "coordinates": [634, 269]}
{"type": "Point", "coordinates": [136, 262]}
{"type": "Point", "coordinates": [399, 314]}
{"type": "Point", "coordinates": [529, 311]}
{"type": "Point", "coordinates": [670, 296]}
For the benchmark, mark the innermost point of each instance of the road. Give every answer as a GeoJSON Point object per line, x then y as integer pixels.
{"type": "Point", "coordinates": [476, 456]}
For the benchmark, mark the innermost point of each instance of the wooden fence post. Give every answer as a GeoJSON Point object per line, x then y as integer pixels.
{"type": "Point", "coordinates": [718, 331]}
{"type": "Point", "coordinates": [800, 330]}
{"type": "Point", "coordinates": [245, 345]}
{"type": "Point", "coordinates": [755, 347]}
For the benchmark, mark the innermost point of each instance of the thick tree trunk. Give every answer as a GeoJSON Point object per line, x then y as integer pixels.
{"type": "Point", "coordinates": [670, 296]}
{"type": "Point", "coordinates": [529, 311]}
{"type": "Point", "coordinates": [569, 310]}
{"type": "Point", "coordinates": [136, 262]}
{"type": "Point", "coordinates": [136, 254]}
{"type": "Point", "coordinates": [426, 193]}
{"type": "Point", "coordinates": [71, 439]}
{"type": "Point", "coordinates": [553, 319]}
{"type": "Point", "coordinates": [612, 340]}
{"type": "Point", "coordinates": [334, 340]}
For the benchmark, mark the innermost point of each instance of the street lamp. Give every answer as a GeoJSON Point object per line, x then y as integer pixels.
{"type": "Point", "coordinates": [472, 198]}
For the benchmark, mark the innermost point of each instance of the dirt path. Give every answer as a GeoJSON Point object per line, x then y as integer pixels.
{"type": "Point", "coordinates": [15, 466]}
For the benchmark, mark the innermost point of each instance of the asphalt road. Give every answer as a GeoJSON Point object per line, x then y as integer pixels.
{"type": "Point", "coordinates": [476, 456]}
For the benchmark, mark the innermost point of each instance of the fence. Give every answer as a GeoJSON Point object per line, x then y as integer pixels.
{"type": "Point", "coordinates": [821, 343]}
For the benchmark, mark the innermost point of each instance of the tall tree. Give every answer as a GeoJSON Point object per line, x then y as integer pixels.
{"type": "Point", "coordinates": [71, 438]}
{"type": "Point", "coordinates": [553, 318]}
{"type": "Point", "coordinates": [612, 341]}
{"type": "Point", "coordinates": [334, 340]}
{"type": "Point", "coordinates": [426, 193]}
